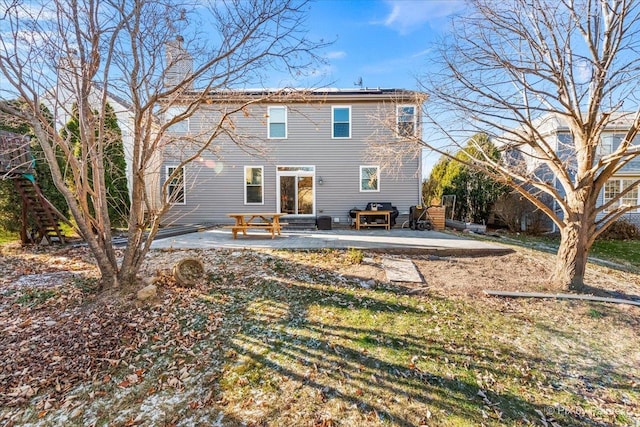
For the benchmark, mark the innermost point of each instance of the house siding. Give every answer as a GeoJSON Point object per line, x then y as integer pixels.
{"type": "Point", "coordinates": [633, 167]}
{"type": "Point", "coordinates": [632, 217]}
{"type": "Point", "coordinates": [557, 135]}
{"type": "Point", "coordinates": [630, 170]}
{"type": "Point", "coordinates": [215, 184]}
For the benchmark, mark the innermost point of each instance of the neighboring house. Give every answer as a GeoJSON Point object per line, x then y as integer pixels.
{"type": "Point", "coordinates": [558, 135]}
{"type": "Point", "coordinates": [307, 156]}
{"type": "Point", "coordinates": [60, 102]}
{"type": "Point", "coordinates": [629, 174]}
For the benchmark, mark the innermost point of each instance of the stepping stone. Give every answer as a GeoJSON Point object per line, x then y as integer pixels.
{"type": "Point", "coordinates": [401, 270]}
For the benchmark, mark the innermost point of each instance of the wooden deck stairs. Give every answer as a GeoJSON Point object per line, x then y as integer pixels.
{"type": "Point", "coordinates": [44, 214]}
{"type": "Point", "coordinates": [16, 163]}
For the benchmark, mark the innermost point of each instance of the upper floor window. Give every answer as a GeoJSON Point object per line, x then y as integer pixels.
{"type": "Point", "coordinates": [181, 126]}
{"type": "Point", "coordinates": [369, 178]}
{"type": "Point", "coordinates": [277, 122]}
{"type": "Point", "coordinates": [341, 122]}
{"type": "Point", "coordinates": [175, 188]}
{"type": "Point", "coordinates": [609, 143]}
{"type": "Point", "coordinates": [614, 187]}
{"type": "Point", "coordinates": [253, 188]}
{"type": "Point", "coordinates": [406, 120]}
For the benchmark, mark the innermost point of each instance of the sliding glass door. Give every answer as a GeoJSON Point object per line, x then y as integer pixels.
{"type": "Point", "coordinates": [296, 192]}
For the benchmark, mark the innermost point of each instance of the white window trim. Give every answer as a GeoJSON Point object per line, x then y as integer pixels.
{"type": "Point", "coordinates": [362, 167]}
{"type": "Point", "coordinates": [415, 119]}
{"type": "Point", "coordinates": [174, 111]}
{"type": "Point", "coordinates": [620, 179]}
{"type": "Point", "coordinates": [333, 109]}
{"type": "Point", "coordinates": [297, 171]}
{"type": "Point", "coordinates": [244, 185]}
{"type": "Point", "coordinates": [184, 186]}
{"type": "Point", "coordinates": [286, 122]}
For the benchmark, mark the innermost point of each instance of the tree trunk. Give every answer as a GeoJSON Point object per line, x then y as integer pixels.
{"type": "Point", "coordinates": [571, 261]}
{"type": "Point", "coordinates": [143, 227]}
{"type": "Point", "coordinates": [134, 252]}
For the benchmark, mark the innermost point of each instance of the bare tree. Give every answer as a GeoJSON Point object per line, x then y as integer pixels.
{"type": "Point", "coordinates": [513, 68]}
{"type": "Point", "coordinates": [146, 55]}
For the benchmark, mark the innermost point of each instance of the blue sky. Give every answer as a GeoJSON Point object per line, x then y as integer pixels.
{"type": "Point", "coordinates": [384, 42]}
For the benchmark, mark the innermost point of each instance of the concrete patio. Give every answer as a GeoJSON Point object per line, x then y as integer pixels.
{"type": "Point", "coordinates": [395, 240]}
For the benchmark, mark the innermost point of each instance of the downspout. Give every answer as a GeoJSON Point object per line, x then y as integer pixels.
{"type": "Point", "coordinates": [420, 201]}
{"type": "Point", "coordinates": [554, 229]}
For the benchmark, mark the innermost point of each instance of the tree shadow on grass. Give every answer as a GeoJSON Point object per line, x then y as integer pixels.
{"type": "Point", "coordinates": [323, 337]}
{"type": "Point", "coordinates": [599, 292]}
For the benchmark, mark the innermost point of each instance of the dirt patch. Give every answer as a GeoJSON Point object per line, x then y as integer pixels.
{"type": "Point", "coordinates": [523, 270]}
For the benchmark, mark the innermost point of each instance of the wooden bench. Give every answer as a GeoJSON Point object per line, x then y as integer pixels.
{"type": "Point", "coordinates": [235, 228]}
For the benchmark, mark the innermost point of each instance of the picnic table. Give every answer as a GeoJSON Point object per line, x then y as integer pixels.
{"type": "Point", "coordinates": [386, 216]}
{"type": "Point", "coordinates": [270, 221]}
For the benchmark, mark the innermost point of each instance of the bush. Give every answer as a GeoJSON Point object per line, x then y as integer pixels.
{"type": "Point", "coordinates": [10, 207]}
{"type": "Point", "coordinates": [355, 256]}
{"type": "Point", "coordinates": [519, 214]}
{"type": "Point", "coordinates": [621, 230]}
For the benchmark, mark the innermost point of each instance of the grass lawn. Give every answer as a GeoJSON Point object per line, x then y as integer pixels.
{"type": "Point", "coordinates": [625, 252]}
{"type": "Point", "coordinates": [621, 251]}
{"type": "Point", "coordinates": [287, 338]}
{"type": "Point", "coordinates": [7, 236]}
{"type": "Point", "coordinates": [360, 357]}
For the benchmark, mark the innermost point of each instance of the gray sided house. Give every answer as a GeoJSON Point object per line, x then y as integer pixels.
{"type": "Point", "coordinates": [307, 155]}
{"type": "Point", "coordinates": [557, 133]}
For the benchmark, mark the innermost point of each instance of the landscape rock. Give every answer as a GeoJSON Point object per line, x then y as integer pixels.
{"type": "Point", "coordinates": [147, 292]}
{"type": "Point", "coordinates": [147, 281]}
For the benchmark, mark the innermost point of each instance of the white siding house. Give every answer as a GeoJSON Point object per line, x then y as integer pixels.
{"type": "Point", "coordinates": [557, 135]}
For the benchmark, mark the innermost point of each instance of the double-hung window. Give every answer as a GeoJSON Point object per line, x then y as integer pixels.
{"type": "Point", "coordinates": [406, 120]}
{"type": "Point", "coordinates": [277, 122]}
{"type": "Point", "coordinates": [614, 187]}
{"type": "Point", "coordinates": [173, 113]}
{"type": "Point", "coordinates": [369, 178]}
{"type": "Point", "coordinates": [253, 188]}
{"type": "Point", "coordinates": [609, 143]}
{"type": "Point", "coordinates": [175, 188]}
{"type": "Point", "coordinates": [340, 122]}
